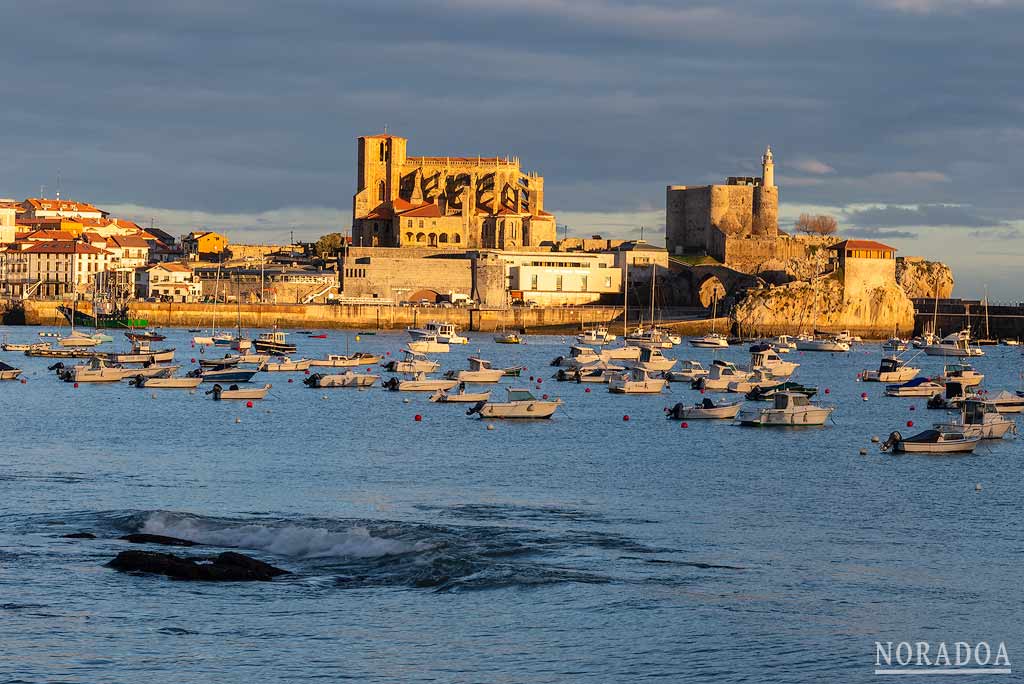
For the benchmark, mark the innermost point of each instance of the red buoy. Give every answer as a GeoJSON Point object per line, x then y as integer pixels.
{"type": "Point", "coordinates": [910, 423]}
{"type": "Point", "coordinates": [418, 418]}
{"type": "Point", "coordinates": [76, 385]}
{"type": "Point", "coordinates": [248, 404]}
{"type": "Point", "coordinates": [626, 417]}
{"type": "Point", "coordinates": [538, 380]}
{"type": "Point", "coordinates": [828, 391]}
{"type": "Point", "coordinates": [544, 396]}
{"type": "Point", "coordinates": [586, 390]}
{"type": "Point", "coordinates": [684, 425]}
{"type": "Point", "coordinates": [306, 372]}
{"type": "Point", "coordinates": [192, 360]}
{"type": "Point", "coordinates": [289, 380]}
{"type": "Point", "coordinates": [23, 381]}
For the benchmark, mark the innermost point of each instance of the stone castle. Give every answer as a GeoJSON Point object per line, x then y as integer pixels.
{"type": "Point", "coordinates": [702, 219]}
{"type": "Point", "coordinates": [455, 202]}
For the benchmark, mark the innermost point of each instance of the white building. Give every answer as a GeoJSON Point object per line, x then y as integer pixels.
{"type": "Point", "coordinates": [556, 278]}
{"type": "Point", "coordinates": [168, 282]}
{"type": "Point", "coordinates": [130, 251]}
{"type": "Point", "coordinates": [51, 269]}
{"type": "Point", "coordinates": [40, 208]}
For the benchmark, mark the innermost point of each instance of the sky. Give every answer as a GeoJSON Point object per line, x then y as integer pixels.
{"type": "Point", "coordinates": [902, 118]}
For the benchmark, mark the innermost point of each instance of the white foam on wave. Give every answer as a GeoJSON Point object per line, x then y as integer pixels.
{"type": "Point", "coordinates": [290, 540]}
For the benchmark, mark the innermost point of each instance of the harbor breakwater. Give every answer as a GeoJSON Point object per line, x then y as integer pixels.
{"type": "Point", "coordinates": [368, 316]}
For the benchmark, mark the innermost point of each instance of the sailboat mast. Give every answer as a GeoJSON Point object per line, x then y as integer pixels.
{"type": "Point", "coordinates": [654, 271]}
{"type": "Point", "coordinates": [625, 298]}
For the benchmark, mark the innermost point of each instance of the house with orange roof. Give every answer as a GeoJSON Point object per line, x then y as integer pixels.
{"type": "Point", "coordinates": [52, 268]}
{"type": "Point", "coordinates": [204, 245]}
{"type": "Point", "coordinates": [39, 207]}
{"type": "Point", "coordinates": [864, 265]}
{"type": "Point", "coordinates": [169, 282]}
{"type": "Point", "coordinates": [128, 251]}
{"type": "Point", "coordinates": [445, 202]}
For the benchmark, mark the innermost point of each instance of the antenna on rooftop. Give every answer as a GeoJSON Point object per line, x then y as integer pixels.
{"type": "Point", "coordinates": [58, 185]}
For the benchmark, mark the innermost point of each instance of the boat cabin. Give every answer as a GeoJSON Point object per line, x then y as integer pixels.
{"type": "Point", "coordinates": [520, 395]}
{"type": "Point", "coordinates": [787, 400]}
{"type": "Point", "coordinates": [890, 364]}
{"type": "Point", "coordinates": [478, 364]}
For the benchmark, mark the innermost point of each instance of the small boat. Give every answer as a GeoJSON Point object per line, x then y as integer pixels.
{"type": "Point", "coordinates": [8, 372]}
{"type": "Point", "coordinates": [624, 353]}
{"type": "Point", "coordinates": [758, 378]}
{"type": "Point", "coordinates": [599, 372]}
{"type": "Point", "coordinates": [789, 409]}
{"type": "Point", "coordinates": [891, 369]}
{"type": "Point", "coordinates": [460, 397]}
{"type": "Point", "coordinates": [1007, 342]}
{"type": "Point", "coordinates": [145, 336]}
{"type": "Point", "coordinates": [78, 340]}
{"type": "Point", "coordinates": [953, 398]}
{"type": "Point", "coordinates": [96, 370]}
{"type": "Point", "coordinates": [931, 442]}
{"type": "Point", "coordinates": [72, 353]}
{"type": "Point", "coordinates": [303, 332]}
{"type": "Point", "coordinates": [429, 344]}
{"type": "Point", "coordinates": [721, 374]}
{"type": "Point", "coordinates": [444, 331]}
{"type": "Point", "coordinates": [513, 371]}
{"type": "Point", "coordinates": [895, 344]}
{"type": "Point", "coordinates": [1006, 402]}
{"type": "Point", "coordinates": [227, 361]}
{"type": "Point", "coordinates": [508, 338]}
{"type": "Point", "coordinates": [821, 344]}
{"type": "Point", "coordinates": [652, 337]}
{"type": "Point", "coordinates": [521, 404]}
{"type": "Point", "coordinates": [578, 356]}
{"type": "Point", "coordinates": [917, 387]}
{"type": "Point", "coordinates": [347, 379]}
{"type": "Point", "coordinates": [651, 359]}
{"type": "Point", "coordinates": [165, 383]}
{"type": "Point", "coordinates": [13, 347]}
{"type": "Point", "coordinates": [690, 371]}
{"type": "Point", "coordinates": [223, 339]}
{"type": "Point", "coordinates": [419, 382]}
{"type": "Point", "coordinates": [636, 381]}
{"type": "Point", "coordinates": [414, 362]}
{"type": "Point", "coordinates": [955, 344]}
{"type": "Point", "coordinates": [764, 357]}
{"type": "Point", "coordinates": [783, 344]}
{"type": "Point", "coordinates": [346, 361]}
{"type": "Point", "coordinates": [141, 353]}
{"type": "Point", "coordinates": [706, 409]}
{"type": "Point", "coordinates": [202, 340]}
{"type": "Point", "coordinates": [962, 373]}
{"type": "Point", "coordinates": [154, 371]}
{"type": "Point", "coordinates": [284, 364]}
{"type": "Point", "coordinates": [223, 375]}
{"type": "Point", "coordinates": [710, 341]}
{"type": "Point", "coordinates": [321, 336]}
{"type": "Point", "coordinates": [768, 392]}
{"type": "Point", "coordinates": [234, 392]}
{"type": "Point", "coordinates": [979, 418]}
{"type": "Point", "coordinates": [480, 371]}
{"type": "Point", "coordinates": [598, 336]}
{"type": "Point", "coordinates": [274, 342]}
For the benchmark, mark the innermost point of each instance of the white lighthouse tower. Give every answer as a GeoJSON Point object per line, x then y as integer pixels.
{"type": "Point", "coordinates": [768, 168]}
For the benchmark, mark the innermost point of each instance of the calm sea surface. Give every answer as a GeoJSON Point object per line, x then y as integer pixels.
{"type": "Point", "coordinates": [582, 549]}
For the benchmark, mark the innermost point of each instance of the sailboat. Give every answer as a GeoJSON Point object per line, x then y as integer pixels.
{"type": "Point", "coordinates": [819, 342]}
{"type": "Point", "coordinates": [652, 336]}
{"type": "Point", "coordinates": [212, 337]}
{"type": "Point", "coordinates": [712, 340]}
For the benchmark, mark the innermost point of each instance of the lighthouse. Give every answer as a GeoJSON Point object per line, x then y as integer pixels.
{"type": "Point", "coordinates": [767, 168]}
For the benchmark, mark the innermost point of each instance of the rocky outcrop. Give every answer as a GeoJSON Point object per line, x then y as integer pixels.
{"type": "Point", "coordinates": [790, 309]}
{"type": "Point", "coordinates": [924, 279]}
{"type": "Point", "coordinates": [226, 567]}
{"type": "Point", "coordinates": [142, 538]}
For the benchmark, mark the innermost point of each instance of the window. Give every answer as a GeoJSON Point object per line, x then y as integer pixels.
{"type": "Point", "coordinates": [608, 282]}
{"type": "Point", "coordinates": [421, 223]}
{"type": "Point", "coordinates": [583, 284]}
{"type": "Point", "coordinates": [409, 224]}
{"type": "Point", "coordinates": [456, 238]}
{"type": "Point", "coordinates": [383, 152]}
{"type": "Point", "coordinates": [381, 191]}
{"type": "Point", "coordinates": [558, 283]}
{"type": "Point", "coordinates": [443, 238]}
{"type": "Point", "coordinates": [533, 282]}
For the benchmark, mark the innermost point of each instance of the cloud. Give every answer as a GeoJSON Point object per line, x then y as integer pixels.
{"type": "Point", "coordinates": [921, 215]}
{"type": "Point", "coordinates": [274, 226]}
{"type": "Point", "coordinates": [1000, 234]}
{"type": "Point", "coordinates": [878, 233]}
{"type": "Point", "coordinates": [812, 166]}
{"type": "Point", "coordinates": [940, 6]}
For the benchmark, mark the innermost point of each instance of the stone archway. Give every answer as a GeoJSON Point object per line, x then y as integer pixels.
{"type": "Point", "coordinates": [710, 289]}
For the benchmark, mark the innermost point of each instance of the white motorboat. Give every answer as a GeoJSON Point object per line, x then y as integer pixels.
{"type": "Point", "coordinates": [789, 409]}
{"type": "Point", "coordinates": [346, 361]}
{"type": "Point", "coordinates": [8, 372]}
{"type": "Point", "coordinates": [706, 409]}
{"type": "Point", "coordinates": [599, 372]}
{"type": "Point", "coordinates": [721, 374]}
{"type": "Point", "coordinates": [783, 344]}
{"type": "Point", "coordinates": [429, 344]}
{"type": "Point", "coordinates": [274, 342]}
{"type": "Point", "coordinates": [444, 332]}
{"type": "Point", "coordinates": [1008, 342]}
{"type": "Point", "coordinates": [627, 352]}
{"type": "Point", "coordinates": [283, 364]}
{"type": "Point", "coordinates": [95, 370]}
{"type": "Point", "coordinates": [689, 372]}
{"type": "Point", "coordinates": [460, 397]}
{"type": "Point", "coordinates": [346, 379]}
{"type": "Point", "coordinates": [578, 356]}
{"type": "Point", "coordinates": [636, 381]}
{"type": "Point", "coordinates": [165, 382]}
{"type": "Point", "coordinates": [598, 335]}
{"type": "Point", "coordinates": [931, 442]}
{"type": "Point", "coordinates": [521, 404]}
{"type": "Point", "coordinates": [142, 353]}
{"type": "Point", "coordinates": [916, 387]}
{"type": "Point", "coordinates": [652, 337]}
{"type": "Point", "coordinates": [651, 359]}
{"type": "Point", "coordinates": [419, 382]}
{"type": "Point", "coordinates": [15, 347]}
{"type": "Point", "coordinates": [955, 344]}
{"type": "Point", "coordinates": [895, 344]}
{"type": "Point", "coordinates": [710, 341]}
{"type": "Point", "coordinates": [891, 369]}
{"type": "Point", "coordinates": [821, 344]}
{"type": "Point", "coordinates": [979, 418]}
{"type": "Point", "coordinates": [154, 371]}
{"type": "Point", "coordinates": [234, 392]}
{"type": "Point", "coordinates": [480, 371]}
{"type": "Point", "coordinates": [764, 357]}
{"type": "Point", "coordinates": [761, 377]}
{"type": "Point", "coordinates": [202, 340]}
{"type": "Point", "coordinates": [414, 362]}
{"type": "Point", "coordinates": [1006, 402]}
{"type": "Point", "coordinates": [963, 373]}
{"type": "Point", "coordinates": [232, 375]}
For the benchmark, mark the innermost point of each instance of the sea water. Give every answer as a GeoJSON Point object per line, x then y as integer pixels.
{"type": "Point", "coordinates": [587, 548]}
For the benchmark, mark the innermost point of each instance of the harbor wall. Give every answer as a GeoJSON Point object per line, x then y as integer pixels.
{"type": "Point", "coordinates": [371, 316]}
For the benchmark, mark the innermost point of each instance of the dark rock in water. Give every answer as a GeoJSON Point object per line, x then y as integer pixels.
{"type": "Point", "coordinates": [227, 567]}
{"type": "Point", "coordinates": [141, 538]}
{"type": "Point", "coordinates": [79, 535]}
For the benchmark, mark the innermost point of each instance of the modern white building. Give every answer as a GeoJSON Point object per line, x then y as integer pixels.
{"type": "Point", "coordinates": [557, 278]}
{"type": "Point", "coordinates": [168, 282]}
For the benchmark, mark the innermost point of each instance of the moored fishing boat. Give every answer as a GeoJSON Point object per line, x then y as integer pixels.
{"type": "Point", "coordinates": [419, 382]}
{"type": "Point", "coordinates": [347, 379]}
{"type": "Point", "coordinates": [480, 371]}
{"type": "Point", "coordinates": [141, 381]}
{"type": "Point", "coordinates": [917, 387]}
{"type": "Point", "coordinates": [768, 392]}
{"type": "Point", "coordinates": [596, 336]}
{"type": "Point", "coordinates": [789, 409]}
{"type": "Point", "coordinates": [234, 392]}
{"type": "Point", "coordinates": [979, 418]}
{"type": "Point", "coordinates": [222, 374]}
{"type": "Point", "coordinates": [520, 405]}
{"type": "Point", "coordinates": [931, 442]}
{"type": "Point", "coordinates": [429, 344]}
{"type": "Point", "coordinates": [283, 364]}
{"type": "Point", "coordinates": [891, 369]}
{"type": "Point", "coordinates": [599, 372]}
{"type": "Point", "coordinates": [963, 373]}
{"type": "Point", "coordinates": [955, 344]}
{"type": "Point", "coordinates": [710, 341]}
{"type": "Point", "coordinates": [414, 362]}
{"type": "Point", "coordinates": [764, 357]}
{"type": "Point", "coordinates": [651, 359]}
{"type": "Point", "coordinates": [460, 397]}
{"type": "Point", "coordinates": [274, 342]}
{"type": "Point", "coordinates": [706, 409]}
{"type": "Point", "coordinates": [721, 374]}
{"type": "Point", "coordinates": [508, 338]}
{"type": "Point", "coordinates": [8, 372]}
{"type": "Point", "coordinates": [346, 361]}
{"type": "Point", "coordinates": [636, 381]}
{"type": "Point", "coordinates": [689, 372]}
{"type": "Point", "coordinates": [445, 332]}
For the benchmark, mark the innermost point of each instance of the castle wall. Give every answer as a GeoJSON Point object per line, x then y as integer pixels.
{"type": "Point", "coordinates": [860, 275]}
{"type": "Point", "coordinates": [398, 278]}
{"type": "Point", "coordinates": [732, 208]}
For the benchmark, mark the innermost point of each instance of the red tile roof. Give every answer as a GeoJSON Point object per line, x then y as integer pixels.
{"type": "Point", "coordinates": [172, 266]}
{"type": "Point", "coordinates": [127, 241]}
{"type": "Point", "coordinates": [862, 244]}
{"type": "Point", "coordinates": [39, 203]}
{"type": "Point", "coordinates": [64, 247]}
{"type": "Point", "coordinates": [49, 235]}
{"type": "Point", "coordinates": [428, 210]}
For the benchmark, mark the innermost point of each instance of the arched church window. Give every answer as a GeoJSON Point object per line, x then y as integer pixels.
{"type": "Point", "coordinates": [456, 238]}
{"type": "Point", "coordinates": [382, 151]}
{"type": "Point", "coordinates": [381, 191]}
{"type": "Point", "coordinates": [442, 238]}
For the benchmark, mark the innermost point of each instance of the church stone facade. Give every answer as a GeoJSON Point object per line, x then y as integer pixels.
{"type": "Point", "coordinates": [702, 219]}
{"type": "Point", "coordinates": [445, 202]}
